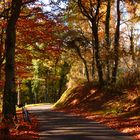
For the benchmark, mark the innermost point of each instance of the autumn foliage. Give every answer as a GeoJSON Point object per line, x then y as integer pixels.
{"type": "Point", "coordinates": [118, 110]}
{"type": "Point", "coordinates": [20, 130]}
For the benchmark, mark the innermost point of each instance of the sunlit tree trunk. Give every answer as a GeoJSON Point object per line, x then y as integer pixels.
{"type": "Point", "coordinates": [116, 45]}
{"type": "Point", "coordinates": [93, 17]}
{"type": "Point", "coordinates": [84, 62]}
{"type": "Point", "coordinates": [132, 51]}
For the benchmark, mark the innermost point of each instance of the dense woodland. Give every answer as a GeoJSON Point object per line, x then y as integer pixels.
{"type": "Point", "coordinates": [46, 48]}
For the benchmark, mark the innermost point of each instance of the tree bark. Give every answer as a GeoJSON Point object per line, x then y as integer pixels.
{"type": "Point", "coordinates": [107, 38]}
{"type": "Point", "coordinates": [61, 84]}
{"type": "Point", "coordinates": [132, 51]}
{"type": "Point", "coordinates": [10, 95]}
{"type": "Point", "coordinates": [116, 45]}
{"type": "Point", "coordinates": [93, 63]}
{"type": "Point", "coordinates": [93, 17]}
{"type": "Point", "coordinates": [97, 53]}
{"type": "Point", "coordinates": [84, 61]}
{"type": "Point", "coordinates": [2, 54]}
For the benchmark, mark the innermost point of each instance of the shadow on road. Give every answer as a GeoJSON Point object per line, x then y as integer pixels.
{"type": "Point", "coordinates": [62, 126]}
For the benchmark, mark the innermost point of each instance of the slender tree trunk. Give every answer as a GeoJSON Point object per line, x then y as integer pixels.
{"type": "Point", "coordinates": [116, 45]}
{"type": "Point", "coordinates": [93, 67]}
{"type": "Point", "coordinates": [107, 38]}
{"type": "Point", "coordinates": [132, 46]}
{"type": "Point", "coordinates": [30, 92]}
{"type": "Point", "coordinates": [97, 54]}
{"type": "Point", "coordinates": [2, 43]}
{"type": "Point", "coordinates": [2, 56]}
{"type": "Point", "coordinates": [95, 25]}
{"type": "Point", "coordinates": [93, 17]}
{"type": "Point", "coordinates": [10, 96]}
{"type": "Point", "coordinates": [61, 84]}
{"type": "Point", "coordinates": [84, 61]}
{"type": "Point", "coordinates": [93, 59]}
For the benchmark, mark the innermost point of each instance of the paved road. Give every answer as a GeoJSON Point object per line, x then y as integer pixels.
{"type": "Point", "coordinates": [62, 126]}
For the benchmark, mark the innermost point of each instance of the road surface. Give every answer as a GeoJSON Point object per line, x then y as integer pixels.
{"type": "Point", "coordinates": [62, 126]}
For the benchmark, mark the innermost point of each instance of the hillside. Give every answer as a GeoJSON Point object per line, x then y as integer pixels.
{"type": "Point", "coordinates": [117, 109]}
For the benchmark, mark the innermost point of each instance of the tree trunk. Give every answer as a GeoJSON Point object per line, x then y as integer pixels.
{"type": "Point", "coordinates": [9, 89]}
{"type": "Point", "coordinates": [93, 17]}
{"type": "Point", "coordinates": [97, 53]}
{"type": "Point", "coordinates": [61, 84]}
{"type": "Point", "coordinates": [107, 38]}
{"type": "Point", "coordinates": [132, 45]}
{"type": "Point", "coordinates": [116, 45]}
{"type": "Point", "coordinates": [93, 59]}
{"type": "Point", "coordinates": [2, 56]}
{"type": "Point", "coordinates": [95, 25]}
{"type": "Point", "coordinates": [10, 95]}
{"type": "Point", "coordinates": [84, 61]}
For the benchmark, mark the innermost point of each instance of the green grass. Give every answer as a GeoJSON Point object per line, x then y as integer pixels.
{"type": "Point", "coordinates": [31, 105]}
{"type": "Point", "coordinates": [65, 96]}
{"type": "Point", "coordinates": [39, 104]}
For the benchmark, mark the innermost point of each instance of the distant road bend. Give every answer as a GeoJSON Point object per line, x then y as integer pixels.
{"type": "Point", "coordinates": [61, 126]}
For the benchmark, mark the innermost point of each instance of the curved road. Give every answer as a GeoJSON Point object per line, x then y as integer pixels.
{"type": "Point", "coordinates": [62, 126]}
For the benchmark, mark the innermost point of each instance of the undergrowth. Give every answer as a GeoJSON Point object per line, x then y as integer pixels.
{"type": "Point", "coordinates": [21, 130]}
{"type": "Point", "coordinates": [116, 105]}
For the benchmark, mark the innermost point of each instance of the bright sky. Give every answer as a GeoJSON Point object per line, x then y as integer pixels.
{"type": "Point", "coordinates": [48, 8]}
{"type": "Point", "coordinates": [45, 1]}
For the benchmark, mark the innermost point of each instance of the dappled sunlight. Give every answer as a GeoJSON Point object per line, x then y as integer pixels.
{"type": "Point", "coordinates": [119, 111]}
{"type": "Point", "coordinates": [83, 56]}
{"type": "Point", "coordinates": [75, 101]}
{"type": "Point", "coordinates": [129, 126]}
{"type": "Point", "coordinates": [66, 126]}
{"type": "Point", "coordinates": [92, 91]}
{"type": "Point", "coordinates": [133, 94]}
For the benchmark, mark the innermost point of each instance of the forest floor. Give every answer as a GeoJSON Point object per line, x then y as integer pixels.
{"type": "Point", "coordinates": [20, 130]}
{"type": "Point", "coordinates": [118, 110]}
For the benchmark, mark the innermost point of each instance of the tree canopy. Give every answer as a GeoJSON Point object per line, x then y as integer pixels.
{"type": "Point", "coordinates": [45, 48]}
